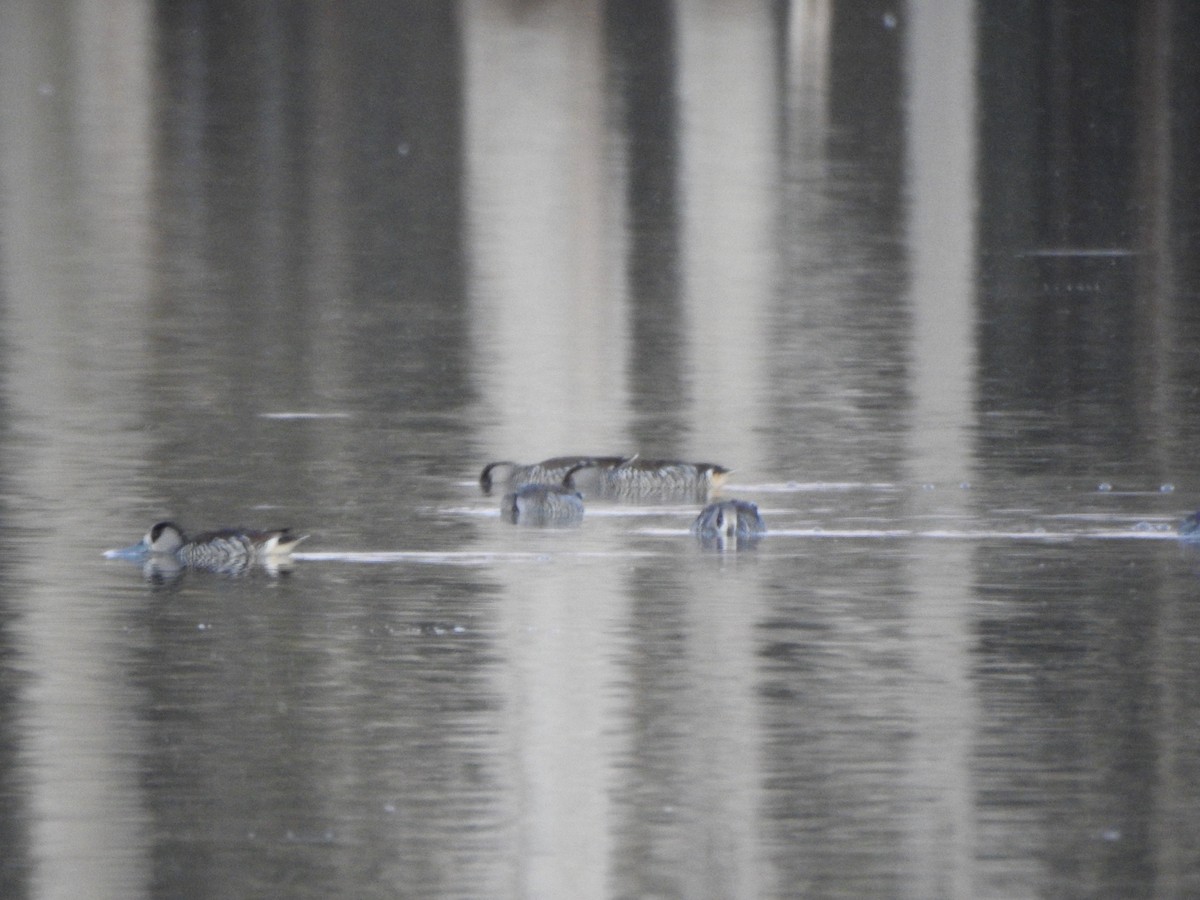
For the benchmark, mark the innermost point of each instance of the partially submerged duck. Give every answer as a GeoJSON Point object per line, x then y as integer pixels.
{"type": "Point", "coordinates": [635, 479]}
{"type": "Point", "coordinates": [549, 471]}
{"type": "Point", "coordinates": [229, 550]}
{"type": "Point", "coordinates": [729, 520]}
{"type": "Point", "coordinates": [543, 505]}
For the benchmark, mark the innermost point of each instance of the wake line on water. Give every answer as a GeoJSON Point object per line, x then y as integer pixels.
{"type": "Point", "coordinates": [300, 415]}
{"type": "Point", "coordinates": [990, 535]}
{"type": "Point", "coordinates": [816, 487]}
{"type": "Point", "coordinates": [489, 557]}
{"type": "Point", "coordinates": [949, 535]}
{"type": "Point", "coordinates": [458, 557]}
{"type": "Point", "coordinates": [613, 511]}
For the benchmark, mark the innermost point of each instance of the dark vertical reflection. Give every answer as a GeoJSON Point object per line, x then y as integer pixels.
{"type": "Point", "coordinates": [650, 848]}
{"type": "Point", "coordinates": [233, 112]}
{"type": "Point", "coordinates": [1070, 764]}
{"type": "Point", "coordinates": [641, 47]}
{"type": "Point", "coordinates": [1182, 113]}
{"type": "Point", "coordinates": [16, 866]}
{"type": "Point", "coordinates": [305, 748]}
{"type": "Point", "coordinates": [309, 201]}
{"type": "Point", "coordinates": [839, 372]}
{"type": "Point", "coordinates": [841, 337]}
{"type": "Point", "coordinates": [1057, 84]}
{"type": "Point", "coordinates": [1085, 120]}
{"type": "Point", "coordinates": [404, 141]}
{"type": "Point", "coordinates": [234, 128]}
{"type": "Point", "coordinates": [1177, 197]}
{"type": "Point", "coordinates": [641, 44]}
{"type": "Point", "coordinates": [837, 731]}
{"type": "Point", "coordinates": [310, 204]}
{"type": "Point", "coordinates": [1087, 172]}
{"type": "Point", "coordinates": [1058, 233]}
{"type": "Point", "coordinates": [864, 62]}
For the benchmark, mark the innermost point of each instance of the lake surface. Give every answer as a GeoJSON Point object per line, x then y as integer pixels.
{"type": "Point", "coordinates": [924, 278]}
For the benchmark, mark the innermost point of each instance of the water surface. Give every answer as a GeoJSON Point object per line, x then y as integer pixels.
{"type": "Point", "coordinates": [922, 278]}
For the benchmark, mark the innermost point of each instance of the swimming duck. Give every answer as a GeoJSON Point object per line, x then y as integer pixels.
{"type": "Point", "coordinates": [543, 504]}
{"type": "Point", "coordinates": [229, 550]}
{"type": "Point", "coordinates": [634, 478]}
{"type": "Point", "coordinates": [548, 471]}
{"type": "Point", "coordinates": [1190, 527]}
{"type": "Point", "coordinates": [729, 519]}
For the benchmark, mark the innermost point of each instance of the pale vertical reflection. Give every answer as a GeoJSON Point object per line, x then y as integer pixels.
{"type": "Point", "coordinates": [562, 732]}
{"type": "Point", "coordinates": [728, 142]}
{"type": "Point", "coordinates": [549, 337]}
{"type": "Point", "coordinates": [730, 169]}
{"type": "Point", "coordinates": [722, 768]}
{"type": "Point", "coordinates": [548, 310]}
{"type": "Point", "coordinates": [809, 22]}
{"type": "Point", "coordinates": [74, 152]}
{"type": "Point", "coordinates": [940, 60]}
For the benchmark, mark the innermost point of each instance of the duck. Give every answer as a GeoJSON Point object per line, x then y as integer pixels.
{"type": "Point", "coordinates": [548, 471]}
{"type": "Point", "coordinates": [229, 550]}
{"type": "Point", "coordinates": [542, 505]}
{"type": "Point", "coordinates": [728, 520]}
{"type": "Point", "coordinates": [1190, 527]}
{"type": "Point", "coordinates": [634, 478]}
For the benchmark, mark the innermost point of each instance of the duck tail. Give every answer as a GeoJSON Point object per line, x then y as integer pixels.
{"type": "Point", "coordinates": [283, 543]}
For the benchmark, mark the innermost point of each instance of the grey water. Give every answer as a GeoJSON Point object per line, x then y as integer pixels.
{"type": "Point", "coordinates": [923, 275]}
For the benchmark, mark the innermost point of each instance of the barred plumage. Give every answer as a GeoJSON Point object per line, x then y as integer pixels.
{"type": "Point", "coordinates": [229, 550]}
{"type": "Point", "coordinates": [218, 550]}
{"type": "Point", "coordinates": [729, 519]}
{"type": "Point", "coordinates": [637, 479]}
{"type": "Point", "coordinates": [548, 471]}
{"type": "Point", "coordinates": [543, 505]}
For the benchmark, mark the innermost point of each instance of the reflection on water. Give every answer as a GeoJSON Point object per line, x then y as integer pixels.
{"type": "Point", "coordinates": [920, 278]}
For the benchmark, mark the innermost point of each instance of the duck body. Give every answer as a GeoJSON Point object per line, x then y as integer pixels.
{"type": "Point", "coordinates": [636, 479]}
{"type": "Point", "coordinates": [543, 505]}
{"type": "Point", "coordinates": [731, 518]}
{"type": "Point", "coordinates": [549, 471]}
{"type": "Point", "coordinates": [729, 521]}
{"type": "Point", "coordinates": [1190, 527]}
{"type": "Point", "coordinates": [227, 550]}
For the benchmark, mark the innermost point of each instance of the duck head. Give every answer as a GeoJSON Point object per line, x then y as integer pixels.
{"type": "Point", "coordinates": [163, 537]}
